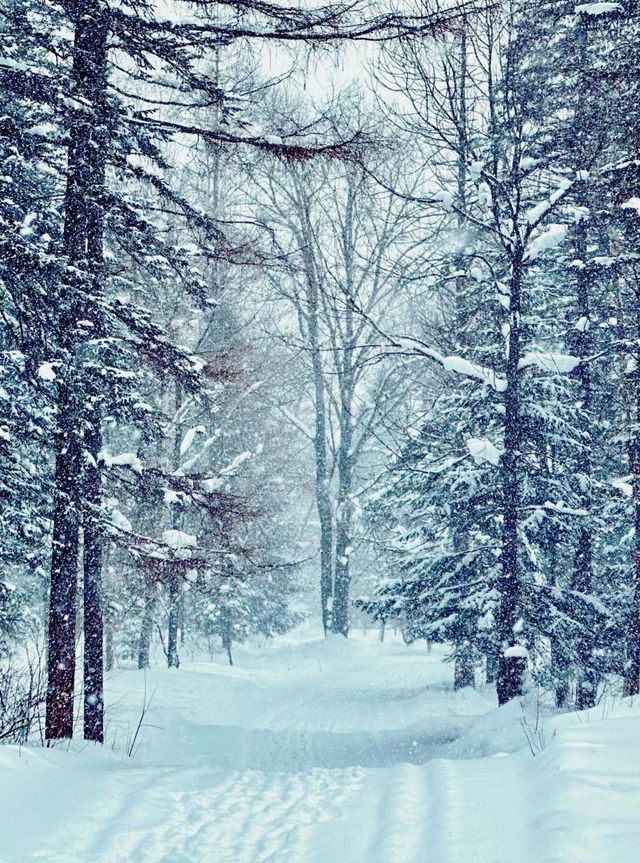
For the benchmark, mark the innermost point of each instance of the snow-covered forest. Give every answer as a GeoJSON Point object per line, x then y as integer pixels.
{"type": "Point", "coordinates": [319, 431]}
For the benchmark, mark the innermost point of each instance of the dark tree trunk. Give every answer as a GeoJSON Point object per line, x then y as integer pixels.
{"type": "Point", "coordinates": [175, 592]}
{"type": "Point", "coordinates": [346, 382]}
{"type": "Point", "coordinates": [92, 477]}
{"type": "Point", "coordinates": [560, 670]}
{"type": "Point", "coordinates": [587, 681]}
{"type": "Point", "coordinates": [511, 668]}
{"type": "Point", "coordinates": [340, 622]}
{"type": "Point", "coordinates": [310, 313]}
{"type": "Point", "coordinates": [582, 578]}
{"type": "Point", "coordinates": [344, 516]}
{"type": "Point", "coordinates": [172, 569]}
{"type": "Point", "coordinates": [632, 670]}
{"type": "Point", "coordinates": [92, 593]}
{"type": "Point", "coordinates": [326, 558]}
{"type": "Point", "coordinates": [83, 228]}
{"type": "Point", "coordinates": [146, 626]}
{"type": "Point", "coordinates": [323, 500]}
{"type": "Point", "coordinates": [152, 578]}
{"type": "Point", "coordinates": [227, 634]}
{"type": "Point", "coordinates": [64, 575]}
{"type": "Point", "coordinates": [344, 524]}
{"type": "Point", "coordinates": [560, 649]}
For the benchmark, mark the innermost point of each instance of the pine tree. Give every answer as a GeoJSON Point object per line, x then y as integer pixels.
{"type": "Point", "coordinates": [29, 233]}
{"type": "Point", "coordinates": [500, 132]}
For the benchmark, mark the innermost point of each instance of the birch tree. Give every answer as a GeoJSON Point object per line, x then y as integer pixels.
{"type": "Point", "coordinates": [349, 248]}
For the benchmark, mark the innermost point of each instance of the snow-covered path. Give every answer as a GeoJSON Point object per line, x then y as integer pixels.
{"type": "Point", "coordinates": [325, 753]}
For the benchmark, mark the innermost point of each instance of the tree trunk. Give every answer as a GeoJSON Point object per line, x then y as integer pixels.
{"type": "Point", "coordinates": [92, 477]}
{"type": "Point", "coordinates": [632, 670]}
{"type": "Point", "coordinates": [171, 567]}
{"type": "Point", "coordinates": [83, 228]}
{"type": "Point", "coordinates": [175, 585]}
{"type": "Point", "coordinates": [344, 516]}
{"type": "Point", "coordinates": [464, 669]}
{"type": "Point", "coordinates": [323, 500]}
{"type": "Point", "coordinates": [491, 667]}
{"type": "Point", "coordinates": [181, 625]}
{"type": "Point", "coordinates": [310, 313]}
{"type": "Point", "coordinates": [109, 655]}
{"type": "Point", "coordinates": [344, 522]}
{"type": "Point", "coordinates": [92, 593]}
{"type": "Point", "coordinates": [146, 626]}
{"type": "Point", "coordinates": [64, 574]}
{"type": "Point", "coordinates": [587, 681]}
{"type": "Point", "coordinates": [346, 383]}
{"type": "Point", "coordinates": [511, 668]}
{"type": "Point", "coordinates": [582, 578]}
{"type": "Point", "coordinates": [227, 634]}
{"type": "Point", "coordinates": [326, 554]}
{"type": "Point", "coordinates": [560, 670]}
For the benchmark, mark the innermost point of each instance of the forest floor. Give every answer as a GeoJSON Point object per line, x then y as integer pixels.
{"type": "Point", "coordinates": [327, 752]}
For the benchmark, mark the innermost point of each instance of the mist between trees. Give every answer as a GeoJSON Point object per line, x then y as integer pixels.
{"type": "Point", "coordinates": [272, 348]}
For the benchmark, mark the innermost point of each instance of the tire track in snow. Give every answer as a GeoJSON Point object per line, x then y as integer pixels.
{"type": "Point", "coordinates": [478, 811]}
{"type": "Point", "coordinates": [467, 811]}
{"type": "Point", "coordinates": [383, 818]}
{"type": "Point", "coordinates": [402, 830]}
{"type": "Point", "coordinates": [242, 817]}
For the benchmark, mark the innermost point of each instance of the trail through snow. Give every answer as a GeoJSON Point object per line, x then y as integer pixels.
{"type": "Point", "coordinates": [325, 752]}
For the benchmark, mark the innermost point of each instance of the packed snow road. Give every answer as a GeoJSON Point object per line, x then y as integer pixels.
{"type": "Point", "coordinates": [326, 752]}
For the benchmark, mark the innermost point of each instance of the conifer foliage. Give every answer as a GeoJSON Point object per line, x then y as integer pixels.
{"type": "Point", "coordinates": [501, 544]}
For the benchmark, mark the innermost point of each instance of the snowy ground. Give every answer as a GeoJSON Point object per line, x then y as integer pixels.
{"type": "Point", "coordinates": [327, 752]}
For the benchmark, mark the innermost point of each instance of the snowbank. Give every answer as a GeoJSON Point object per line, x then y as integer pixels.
{"type": "Point", "coordinates": [328, 750]}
